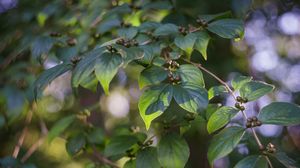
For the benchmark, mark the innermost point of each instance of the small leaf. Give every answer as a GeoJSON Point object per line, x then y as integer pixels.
{"type": "Point", "coordinates": [190, 97]}
{"type": "Point", "coordinates": [41, 45]}
{"type": "Point", "coordinates": [201, 43]}
{"type": "Point", "coordinates": [173, 151]}
{"type": "Point", "coordinates": [75, 144]}
{"type": "Point", "coordinates": [60, 127]}
{"type": "Point", "coordinates": [166, 29]}
{"type": "Point", "coordinates": [41, 18]}
{"type": "Point", "coordinates": [106, 68]}
{"type": "Point", "coordinates": [223, 143]}
{"type": "Point", "coordinates": [154, 101]}
{"type": "Point", "coordinates": [286, 160]}
{"type": "Point", "coordinates": [227, 28]}
{"type": "Point", "coordinates": [186, 43]}
{"type": "Point", "coordinates": [280, 113]}
{"type": "Point", "coordinates": [239, 81]}
{"type": "Point", "coordinates": [220, 118]}
{"type": "Point", "coordinates": [147, 158]}
{"type": "Point", "coordinates": [128, 33]}
{"type": "Point", "coordinates": [253, 90]}
{"type": "Point", "coordinates": [120, 144]}
{"type": "Point", "coordinates": [152, 75]}
{"type": "Point", "coordinates": [190, 74]}
{"type": "Point", "coordinates": [48, 76]}
{"type": "Point", "coordinates": [216, 91]}
{"type": "Point", "coordinates": [254, 161]}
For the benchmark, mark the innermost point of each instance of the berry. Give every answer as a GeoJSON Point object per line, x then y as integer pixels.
{"type": "Point", "coordinates": [237, 105]}
{"type": "Point", "coordinates": [254, 118]}
{"type": "Point", "coordinates": [55, 34]}
{"type": "Point", "coordinates": [248, 124]}
{"type": "Point", "coordinates": [249, 119]}
{"type": "Point", "coordinates": [258, 123]}
{"type": "Point", "coordinates": [242, 108]}
{"type": "Point", "coordinates": [239, 99]}
{"type": "Point", "coordinates": [71, 41]}
{"type": "Point", "coordinates": [245, 100]}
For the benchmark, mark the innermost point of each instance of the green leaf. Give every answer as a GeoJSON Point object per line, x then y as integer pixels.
{"type": "Point", "coordinates": [280, 113]}
{"type": "Point", "coordinates": [2, 121]}
{"type": "Point", "coordinates": [130, 164]}
{"type": "Point", "coordinates": [220, 118]}
{"type": "Point", "coordinates": [75, 144]}
{"type": "Point", "coordinates": [106, 68]}
{"type": "Point", "coordinates": [286, 160]}
{"type": "Point", "coordinates": [253, 90]}
{"type": "Point", "coordinates": [119, 145]}
{"type": "Point", "coordinates": [154, 101]}
{"type": "Point", "coordinates": [210, 110]}
{"type": "Point", "coordinates": [132, 53]}
{"type": "Point", "coordinates": [166, 29]}
{"type": "Point", "coordinates": [48, 76]}
{"type": "Point", "coordinates": [186, 43]}
{"type": "Point", "coordinates": [85, 67]}
{"type": "Point", "coordinates": [209, 18]}
{"type": "Point", "coordinates": [60, 126]}
{"type": "Point", "coordinates": [147, 158]}
{"type": "Point", "coordinates": [96, 136]}
{"type": "Point", "coordinates": [201, 43]}
{"type": "Point", "coordinates": [41, 45]}
{"type": "Point", "coordinates": [254, 161]}
{"type": "Point", "coordinates": [216, 91]}
{"type": "Point", "coordinates": [227, 28]}
{"type": "Point", "coordinates": [190, 97]}
{"type": "Point", "coordinates": [173, 151]}
{"type": "Point", "coordinates": [152, 75]}
{"type": "Point", "coordinates": [190, 74]}
{"type": "Point", "coordinates": [223, 143]}
{"type": "Point", "coordinates": [128, 33]}
{"type": "Point", "coordinates": [41, 18]}
{"type": "Point", "coordinates": [158, 5]}
{"type": "Point", "coordinates": [8, 161]}
{"type": "Point", "coordinates": [239, 81]}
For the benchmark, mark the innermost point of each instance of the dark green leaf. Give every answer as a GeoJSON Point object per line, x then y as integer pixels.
{"type": "Point", "coordinates": [186, 43]}
{"type": "Point", "coordinates": [120, 144]}
{"type": "Point", "coordinates": [154, 101]}
{"type": "Point", "coordinates": [60, 126]}
{"type": "Point", "coordinates": [209, 18]}
{"type": "Point", "coordinates": [75, 144]}
{"type": "Point", "coordinates": [106, 68]}
{"type": "Point", "coordinates": [173, 151]}
{"type": "Point", "coordinates": [254, 161]}
{"type": "Point", "coordinates": [2, 121]}
{"type": "Point", "coordinates": [286, 160]}
{"type": "Point", "coordinates": [41, 45]}
{"type": "Point", "coordinates": [96, 136]}
{"type": "Point", "coordinates": [223, 143]}
{"type": "Point", "coordinates": [190, 74]}
{"type": "Point", "coordinates": [132, 53]}
{"type": "Point", "coordinates": [253, 90]}
{"type": "Point", "coordinates": [48, 76]}
{"type": "Point", "coordinates": [216, 91]}
{"type": "Point", "coordinates": [152, 75]}
{"type": "Point", "coordinates": [280, 113]}
{"type": "Point", "coordinates": [128, 33]}
{"type": "Point", "coordinates": [190, 97]}
{"type": "Point", "coordinates": [108, 24]}
{"type": "Point", "coordinates": [158, 5]}
{"type": "Point", "coordinates": [166, 29]}
{"type": "Point", "coordinates": [227, 28]}
{"type": "Point", "coordinates": [239, 81]}
{"type": "Point", "coordinates": [220, 118]}
{"type": "Point", "coordinates": [147, 158]}
{"type": "Point", "coordinates": [130, 164]}
{"type": "Point", "coordinates": [201, 43]}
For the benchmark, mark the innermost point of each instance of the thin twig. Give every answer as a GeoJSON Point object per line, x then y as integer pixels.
{"type": "Point", "coordinates": [103, 159]}
{"type": "Point", "coordinates": [261, 147]}
{"type": "Point", "coordinates": [36, 145]}
{"type": "Point", "coordinates": [23, 135]}
{"type": "Point", "coordinates": [269, 162]}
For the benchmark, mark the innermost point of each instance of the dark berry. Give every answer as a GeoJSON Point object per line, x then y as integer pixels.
{"type": "Point", "coordinates": [72, 41]}
{"type": "Point", "coordinates": [239, 99]}
{"type": "Point", "coordinates": [237, 105]}
{"type": "Point", "coordinates": [55, 34]}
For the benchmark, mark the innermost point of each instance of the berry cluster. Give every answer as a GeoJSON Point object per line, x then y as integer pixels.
{"type": "Point", "coordinates": [71, 41]}
{"type": "Point", "coordinates": [239, 106]}
{"type": "Point", "coordinates": [253, 122]}
{"type": "Point", "coordinates": [241, 99]}
{"type": "Point", "coordinates": [183, 30]}
{"type": "Point", "coordinates": [135, 7]}
{"type": "Point", "coordinates": [111, 49]}
{"type": "Point", "coordinates": [127, 43]}
{"type": "Point", "coordinates": [55, 34]}
{"type": "Point", "coordinates": [202, 22]}
{"type": "Point", "coordinates": [174, 79]}
{"type": "Point", "coordinates": [75, 60]}
{"type": "Point", "coordinates": [271, 148]}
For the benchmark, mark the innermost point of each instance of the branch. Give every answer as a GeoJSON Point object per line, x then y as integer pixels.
{"type": "Point", "coordinates": [23, 135]}
{"type": "Point", "coordinates": [103, 159]}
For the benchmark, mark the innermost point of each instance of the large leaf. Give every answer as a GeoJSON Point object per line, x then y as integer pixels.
{"type": "Point", "coordinates": [128, 33]}
{"type": "Point", "coordinates": [130, 164]}
{"type": "Point", "coordinates": [224, 142]}
{"type": "Point", "coordinates": [166, 29]}
{"type": "Point", "coordinates": [216, 91]}
{"type": "Point", "coordinates": [286, 160]}
{"type": "Point", "coordinates": [227, 28]}
{"type": "Point", "coordinates": [201, 43]}
{"type": "Point", "coordinates": [190, 97]}
{"type": "Point", "coordinates": [48, 76]}
{"type": "Point", "coordinates": [106, 68]}
{"type": "Point", "coordinates": [254, 161]}
{"type": "Point", "coordinates": [41, 45]}
{"type": "Point", "coordinates": [238, 81]}
{"type": "Point", "coordinates": [253, 90]}
{"type": "Point", "coordinates": [190, 74]}
{"type": "Point", "coordinates": [173, 151]}
{"type": "Point", "coordinates": [212, 17]}
{"type": "Point", "coordinates": [147, 158]}
{"type": "Point", "coordinates": [220, 118]}
{"type": "Point", "coordinates": [120, 144]}
{"type": "Point", "coordinates": [152, 75]}
{"type": "Point", "coordinates": [75, 144]}
{"type": "Point", "coordinates": [60, 126]}
{"type": "Point", "coordinates": [186, 43]}
{"type": "Point", "coordinates": [280, 113]}
{"type": "Point", "coordinates": [132, 53]}
{"type": "Point", "coordinates": [85, 67]}
{"type": "Point", "coordinates": [154, 101]}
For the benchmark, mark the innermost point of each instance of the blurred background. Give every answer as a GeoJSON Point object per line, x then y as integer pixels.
{"type": "Point", "coordinates": [270, 51]}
